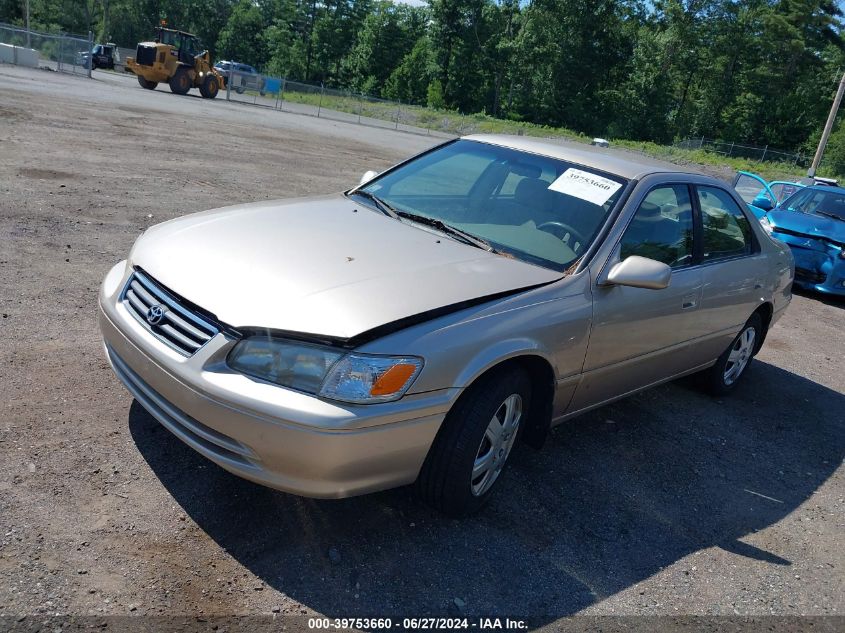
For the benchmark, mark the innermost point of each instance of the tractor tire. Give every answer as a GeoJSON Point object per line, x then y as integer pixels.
{"type": "Point", "coordinates": [209, 87]}
{"type": "Point", "coordinates": [180, 82]}
{"type": "Point", "coordinates": [149, 85]}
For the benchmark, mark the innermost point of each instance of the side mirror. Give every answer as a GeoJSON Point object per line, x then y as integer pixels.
{"type": "Point", "coordinates": [367, 177]}
{"type": "Point", "coordinates": [640, 272]}
{"type": "Point", "coordinates": [762, 202]}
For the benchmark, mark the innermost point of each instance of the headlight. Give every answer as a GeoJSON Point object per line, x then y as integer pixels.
{"type": "Point", "coordinates": [360, 378]}
{"type": "Point", "coordinates": [286, 363]}
{"type": "Point", "coordinates": [766, 224]}
{"type": "Point", "coordinates": [325, 371]}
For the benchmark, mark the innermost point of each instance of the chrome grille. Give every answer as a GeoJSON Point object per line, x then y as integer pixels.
{"type": "Point", "coordinates": [177, 326]}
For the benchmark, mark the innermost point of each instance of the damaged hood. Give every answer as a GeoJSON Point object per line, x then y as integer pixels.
{"type": "Point", "coordinates": [809, 224]}
{"type": "Point", "coordinates": [325, 266]}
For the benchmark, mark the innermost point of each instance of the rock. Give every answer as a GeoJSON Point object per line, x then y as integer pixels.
{"type": "Point", "coordinates": [459, 603]}
{"type": "Point", "coordinates": [276, 609]}
{"type": "Point", "coordinates": [334, 555]}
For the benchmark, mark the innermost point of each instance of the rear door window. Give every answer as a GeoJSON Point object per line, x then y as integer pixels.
{"type": "Point", "coordinates": [726, 229]}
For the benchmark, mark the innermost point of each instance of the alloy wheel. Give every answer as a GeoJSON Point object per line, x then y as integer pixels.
{"type": "Point", "coordinates": [740, 354]}
{"type": "Point", "coordinates": [496, 445]}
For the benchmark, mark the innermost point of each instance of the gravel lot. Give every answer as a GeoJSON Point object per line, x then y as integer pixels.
{"type": "Point", "coordinates": [669, 502]}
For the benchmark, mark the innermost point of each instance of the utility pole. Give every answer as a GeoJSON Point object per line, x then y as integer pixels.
{"type": "Point", "coordinates": [827, 129]}
{"type": "Point", "coordinates": [28, 42]}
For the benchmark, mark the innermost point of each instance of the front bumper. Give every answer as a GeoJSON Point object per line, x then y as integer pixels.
{"type": "Point", "coordinates": [273, 436]}
{"type": "Point", "coordinates": [818, 267]}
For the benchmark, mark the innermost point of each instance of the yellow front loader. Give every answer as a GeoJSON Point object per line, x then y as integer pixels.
{"type": "Point", "coordinates": [178, 59]}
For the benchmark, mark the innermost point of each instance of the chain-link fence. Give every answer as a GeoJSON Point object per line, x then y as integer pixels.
{"type": "Point", "coordinates": [62, 53]}
{"type": "Point", "coordinates": [316, 100]}
{"type": "Point", "coordinates": [749, 152]}
{"type": "Point", "coordinates": [349, 106]}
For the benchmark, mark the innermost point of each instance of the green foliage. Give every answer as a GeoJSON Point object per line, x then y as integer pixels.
{"type": "Point", "coordinates": [434, 95]}
{"type": "Point", "coordinates": [834, 157]}
{"type": "Point", "coordinates": [411, 79]}
{"type": "Point", "coordinates": [243, 36]}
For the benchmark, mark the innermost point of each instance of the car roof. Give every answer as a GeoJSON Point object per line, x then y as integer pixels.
{"type": "Point", "coordinates": [829, 188]}
{"type": "Point", "coordinates": [616, 162]}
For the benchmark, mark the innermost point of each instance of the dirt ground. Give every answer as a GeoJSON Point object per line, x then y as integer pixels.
{"type": "Point", "coordinates": [669, 502]}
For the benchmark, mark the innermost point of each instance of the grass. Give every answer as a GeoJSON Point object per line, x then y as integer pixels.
{"type": "Point", "coordinates": [451, 122]}
{"type": "Point", "coordinates": [770, 170]}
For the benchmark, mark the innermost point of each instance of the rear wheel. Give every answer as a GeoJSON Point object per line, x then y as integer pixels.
{"type": "Point", "coordinates": [149, 85]}
{"type": "Point", "coordinates": [472, 448]}
{"type": "Point", "coordinates": [723, 377]}
{"type": "Point", "coordinates": [240, 90]}
{"type": "Point", "coordinates": [209, 87]}
{"type": "Point", "coordinates": [180, 83]}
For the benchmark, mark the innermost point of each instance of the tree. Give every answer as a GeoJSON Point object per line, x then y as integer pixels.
{"type": "Point", "coordinates": [410, 81]}
{"type": "Point", "coordinates": [242, 38]}
{"type": "Point", "coordinates": [385, 37]}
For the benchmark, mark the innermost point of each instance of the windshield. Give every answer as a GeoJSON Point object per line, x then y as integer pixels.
{"type": "Point", "coordinates": [783, 190]}
{"type": "Point", "coordinates": [810, 200]}
{"type": "Point", "coordinates": [537, 209]}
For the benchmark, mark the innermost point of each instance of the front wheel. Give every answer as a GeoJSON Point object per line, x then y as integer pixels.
{"type": "Point", "coordinates": [473, 445]}
{"type": "Point", "coordinates": [149, 85]}
{"type": "Point", "coordinates": [209, 87]}
{"type": "Point", "coordinates": [723, 377]}
{"type": "Point", "coordinates": [180, 83]}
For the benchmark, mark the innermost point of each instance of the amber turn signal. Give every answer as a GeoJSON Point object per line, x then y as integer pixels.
{"type": "Point", "coordinates": [393, 379]}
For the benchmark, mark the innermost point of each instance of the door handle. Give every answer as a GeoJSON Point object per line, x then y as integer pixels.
{"type": "Point", "coordinates": [690, 301]}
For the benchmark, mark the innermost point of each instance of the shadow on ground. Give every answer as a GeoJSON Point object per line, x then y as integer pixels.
{"type": "Point", "coordinates": [837, 301]}
{"type": "Point", "coordinates": [615, 496]}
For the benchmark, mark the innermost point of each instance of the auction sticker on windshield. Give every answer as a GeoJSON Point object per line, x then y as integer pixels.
{"type": "Point", "coordinates": [584, 185]}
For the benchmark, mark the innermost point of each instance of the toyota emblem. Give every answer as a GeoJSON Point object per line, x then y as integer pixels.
{"type": "Point", "coordinates": [155, 314]}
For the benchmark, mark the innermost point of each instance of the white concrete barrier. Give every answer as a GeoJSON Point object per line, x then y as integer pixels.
{"type": "Point", "coordinates": [7, 54]}
{"type": "Point", "coordinates": [18, 55]}
{"type": "Point", "coordinates": [27, 57]}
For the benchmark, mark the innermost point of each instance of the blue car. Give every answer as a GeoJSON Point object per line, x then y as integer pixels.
{"type": "Point", "coordinates": [812, 222]}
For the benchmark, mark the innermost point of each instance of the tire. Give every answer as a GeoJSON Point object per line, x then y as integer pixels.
{"type": "Point", "coordinates": [240, 90]}
{"type": "Point", "coordinates": [180, 82]}
{"type": "Point", "coordinates": [468, 436]}
{"type": "Point", "coordinates": [724, 376]}
{"type": "Point", "coordinates": [209, 87]}
{"type": "Point", "coordinates": [149, 85]}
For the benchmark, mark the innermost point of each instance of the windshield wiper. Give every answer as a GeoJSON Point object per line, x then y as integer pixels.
{"type": "Point", "coordinates": [383, 206]}
{"type": "Point", "coordinates": [448, 229]}
{"type": "Point", "coordinates": [440, 225]}
{"type": "Point", "coordinates": [830, 215]}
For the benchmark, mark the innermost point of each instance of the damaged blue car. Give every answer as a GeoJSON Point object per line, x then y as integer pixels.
{"type": "Point", "coordinates": [812, 222]}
